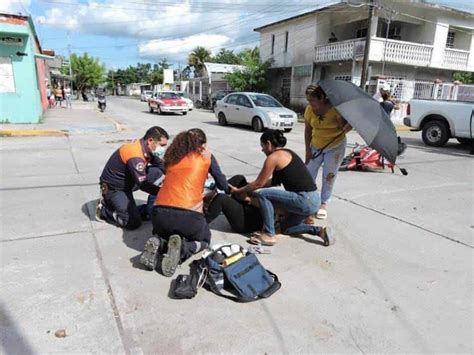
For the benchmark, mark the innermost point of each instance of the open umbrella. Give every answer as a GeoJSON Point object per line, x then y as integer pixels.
{"type": "Point", "coordinates": [364, 114]}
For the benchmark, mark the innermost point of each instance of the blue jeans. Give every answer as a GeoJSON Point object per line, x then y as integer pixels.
{"type": "Point", "coordinates": [297, 205]}
{"type": "Point", "coordinates": [330, 159]}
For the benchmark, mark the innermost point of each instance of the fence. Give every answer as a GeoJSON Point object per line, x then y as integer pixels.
{"type": "Point", "coordinates": [405, 90]}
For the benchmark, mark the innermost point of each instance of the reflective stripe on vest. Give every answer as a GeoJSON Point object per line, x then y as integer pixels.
{"type": "Point", "coordinates": [131, 150]}
{"type": "Point", "coordinates": [184, 182]}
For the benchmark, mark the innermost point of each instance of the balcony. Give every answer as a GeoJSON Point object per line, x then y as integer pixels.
{"type": "Point", "coordinates": [455, 59]}
{"type": "Point", "coordinates": [393, 51]}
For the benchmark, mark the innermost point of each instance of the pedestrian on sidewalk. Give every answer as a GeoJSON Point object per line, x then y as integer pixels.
{"type": "Point", "coordinates": [58, 96]}
{"type": "Point", "coordinates": [50, 96]}
{"type": "Point", "coordinates": [125, 172]}
{"type": "Point", "coordinates": [325, 142]}
{"type": "Point", "coordinates": [67, 96]}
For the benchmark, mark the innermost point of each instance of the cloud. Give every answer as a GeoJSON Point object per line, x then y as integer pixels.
{"type": "Point", "coordinates": [178, 49]}
{"type": "Point", "coordinates": [166, 28]}
{"type": "Point", "coordinates": [15, 6]}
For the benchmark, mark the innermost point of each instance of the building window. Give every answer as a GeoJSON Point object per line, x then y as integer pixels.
{"type": "Point", "coordinates": [450, 39]}
{"type": "Point", "coordinates": [273, 44]}
{"type": "Point", "coordinates": [343, 77]}
{"type": "Point", "coordinates": [286, 41]}
{"type": "Point", "coordinates": [362, 32]}
{"type": "Point", "coordinates": [394, 32]}
{"type": "Point", "coordinates": [302, 70]}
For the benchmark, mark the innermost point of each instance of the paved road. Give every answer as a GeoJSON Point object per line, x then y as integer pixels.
{"type": "Point", "coordinates": [399, 278]}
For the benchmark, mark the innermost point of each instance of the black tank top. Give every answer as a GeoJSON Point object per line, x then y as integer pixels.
{"type": "Point", "coordinates": [295, 176]}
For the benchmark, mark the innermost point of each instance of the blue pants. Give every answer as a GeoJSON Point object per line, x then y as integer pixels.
{"type": "Point", "coordinates": [330, 159]}
{"type": "Point", "coordinates": [297, 205]}
{"type": "Point", "coordinates": [121, 210]}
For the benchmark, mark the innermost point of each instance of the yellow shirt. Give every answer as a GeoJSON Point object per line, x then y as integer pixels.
{"type": "Point", "coordinates": [325, 128]}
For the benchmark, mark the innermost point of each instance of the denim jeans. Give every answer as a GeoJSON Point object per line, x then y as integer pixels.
{"type": "Point", "coordinates": [297, 205]}
{"type": "Point", "coordinates": [330, 159]}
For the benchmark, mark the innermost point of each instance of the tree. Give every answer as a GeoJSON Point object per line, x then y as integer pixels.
{"type": "Point", "coordinates": [226, 56]}
{"type": "Point", "coordinates": [464, 77]}
{"type": "Point", "coordinates": [88, 72]}
{"type": "Point", "coordinates": [253, 76]}
{"type": "Point", "coordinates": [196, 59]}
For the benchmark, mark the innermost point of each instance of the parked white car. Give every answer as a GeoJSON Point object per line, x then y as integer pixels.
{"type": "Point", "coordinates": [184, 96]}
{"type": "Point", "coordinates": [145, 95]}
{"type": "Point", "coordinates": [253, 109]}
{"type": "Point", "coordinates": [441, 120]}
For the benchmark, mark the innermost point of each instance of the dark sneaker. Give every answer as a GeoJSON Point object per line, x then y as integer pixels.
{"type": "Point", "coordinates": [326, 236]}
{"type": "Point", "coordinates": [149, 257]}
{"type": "Point", "coordinates": [171, 259]}
{"type": "Point", "coordinates": [98, 212]}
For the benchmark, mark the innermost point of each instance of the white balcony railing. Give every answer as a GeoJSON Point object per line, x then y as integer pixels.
{"type": "Point", "coordinates": [338, 51]}
{"type": "Point", "coordinates": [400, 52]}
{"type": "Point", "coordinates": [455, 59]}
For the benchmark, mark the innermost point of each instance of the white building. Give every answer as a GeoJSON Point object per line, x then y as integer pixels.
{"type": "Point", "coordinates": [212, 80]}
{"type": "Point", "coordinates": [425, 42]}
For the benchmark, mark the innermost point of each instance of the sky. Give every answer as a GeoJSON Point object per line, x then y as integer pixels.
{"type": "Point", "coordinates": [123, 32]}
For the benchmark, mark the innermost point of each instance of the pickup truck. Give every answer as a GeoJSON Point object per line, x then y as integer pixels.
{"type": "Point", "coordinates": [441, 120]}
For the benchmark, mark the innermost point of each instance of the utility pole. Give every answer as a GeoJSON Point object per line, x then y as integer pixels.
{"type": "Point", "coordinates": [365, 63]}
{"type": "Point", "coordinates": [70, 63]}
{"type": "Point", "coordinates": [389, 17]}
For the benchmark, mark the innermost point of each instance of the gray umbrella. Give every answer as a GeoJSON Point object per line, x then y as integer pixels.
{"type": "Point", "coordinates": [364, 114]}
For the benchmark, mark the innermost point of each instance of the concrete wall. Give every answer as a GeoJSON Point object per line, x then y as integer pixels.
{"type": "Point", "coordinates": [23, 105]}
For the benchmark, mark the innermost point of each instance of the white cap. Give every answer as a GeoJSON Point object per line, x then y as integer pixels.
{"type": "Point", "coordinates": [385, 87]}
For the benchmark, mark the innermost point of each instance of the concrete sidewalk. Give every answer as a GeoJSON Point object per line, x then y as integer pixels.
{"type": "Point", "coordinates": [398, 279]}
{"type": "Point", "coordinates": [84, 117]}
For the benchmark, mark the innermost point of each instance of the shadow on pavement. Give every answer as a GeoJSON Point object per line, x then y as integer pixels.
{"type": "Point", "coordinates": [451, 148]}
{"type": "Point", "coordinates": [12, 341]}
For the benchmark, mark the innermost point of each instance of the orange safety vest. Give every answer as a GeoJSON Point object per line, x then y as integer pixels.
{"type": "Point", "coordinates": [184, 182]}
{"type": "Point", "coordinates": [131, 150]}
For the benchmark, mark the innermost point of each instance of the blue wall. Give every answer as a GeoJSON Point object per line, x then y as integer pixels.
{"type": "Point", "coordinates": [24, 105]}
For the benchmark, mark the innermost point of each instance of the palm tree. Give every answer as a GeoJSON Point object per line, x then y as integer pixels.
{"type": "Point", "coordinates": [197, 57]}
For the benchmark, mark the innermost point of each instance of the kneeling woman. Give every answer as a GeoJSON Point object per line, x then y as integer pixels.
{"type": "Point", "coordinates": [177, 216]}
{"type": "Point", "coordinates": [299, 199]}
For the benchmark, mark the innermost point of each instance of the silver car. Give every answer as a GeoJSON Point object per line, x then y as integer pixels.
{"type": "Point", "coordinates": [146, 95]}
{"type": "Point", "coordinates": [253, 109]}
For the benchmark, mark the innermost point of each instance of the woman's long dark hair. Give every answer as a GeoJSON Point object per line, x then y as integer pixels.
{"type": "Point", "coordinates": [184, 143]}
{"type": "Point", "coordinates": [275, 137]}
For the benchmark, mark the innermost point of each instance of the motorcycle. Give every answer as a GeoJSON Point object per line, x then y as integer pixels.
{"type": "Point", "coordinates": [364, 158]}
{"type": "Point", "coordinates": [101, 103]}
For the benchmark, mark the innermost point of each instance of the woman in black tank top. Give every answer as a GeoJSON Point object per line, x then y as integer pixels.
{"type": "Point", "coordinates": [299, 198]}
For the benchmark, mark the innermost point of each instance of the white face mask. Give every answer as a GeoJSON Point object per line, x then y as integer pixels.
{"type": "Point", "coordinates": [159, 151]}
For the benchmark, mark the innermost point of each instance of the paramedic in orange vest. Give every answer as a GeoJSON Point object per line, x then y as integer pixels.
{"type": "Point", "coordinates": [177, 216]}
{"type": "Point", "coordinates": [129, 169]}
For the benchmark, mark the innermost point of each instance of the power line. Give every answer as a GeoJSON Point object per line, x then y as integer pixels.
{"type": "Point", "coordinates": [196, 7]}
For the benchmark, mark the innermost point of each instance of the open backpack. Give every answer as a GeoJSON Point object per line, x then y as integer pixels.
{"type": "Point", "coordinates": [229, 271]}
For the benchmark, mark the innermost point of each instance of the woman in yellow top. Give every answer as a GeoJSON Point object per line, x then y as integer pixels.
{"type": "Point", "coordinates": [325, 141]}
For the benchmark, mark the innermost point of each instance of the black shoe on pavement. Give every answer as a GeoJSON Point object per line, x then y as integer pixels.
{"type": "Point", "coordinates": [149, 257]}
{"type": "Point", "coordinates": [171, 259]}
{"type": "Point", "coordinates": [326, 236]}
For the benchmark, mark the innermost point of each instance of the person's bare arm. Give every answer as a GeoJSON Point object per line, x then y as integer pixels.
{"type": "Point", "coordinates": [263, 178]}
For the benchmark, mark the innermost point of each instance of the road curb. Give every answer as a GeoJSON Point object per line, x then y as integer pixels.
{"type": "Point", "coordinates": [32, 133]}
{"type": "Point", "coordinates": [401, 128]}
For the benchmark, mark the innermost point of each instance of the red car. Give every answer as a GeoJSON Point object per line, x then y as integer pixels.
{"type": "Point", "coordinates": [167, 102]}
